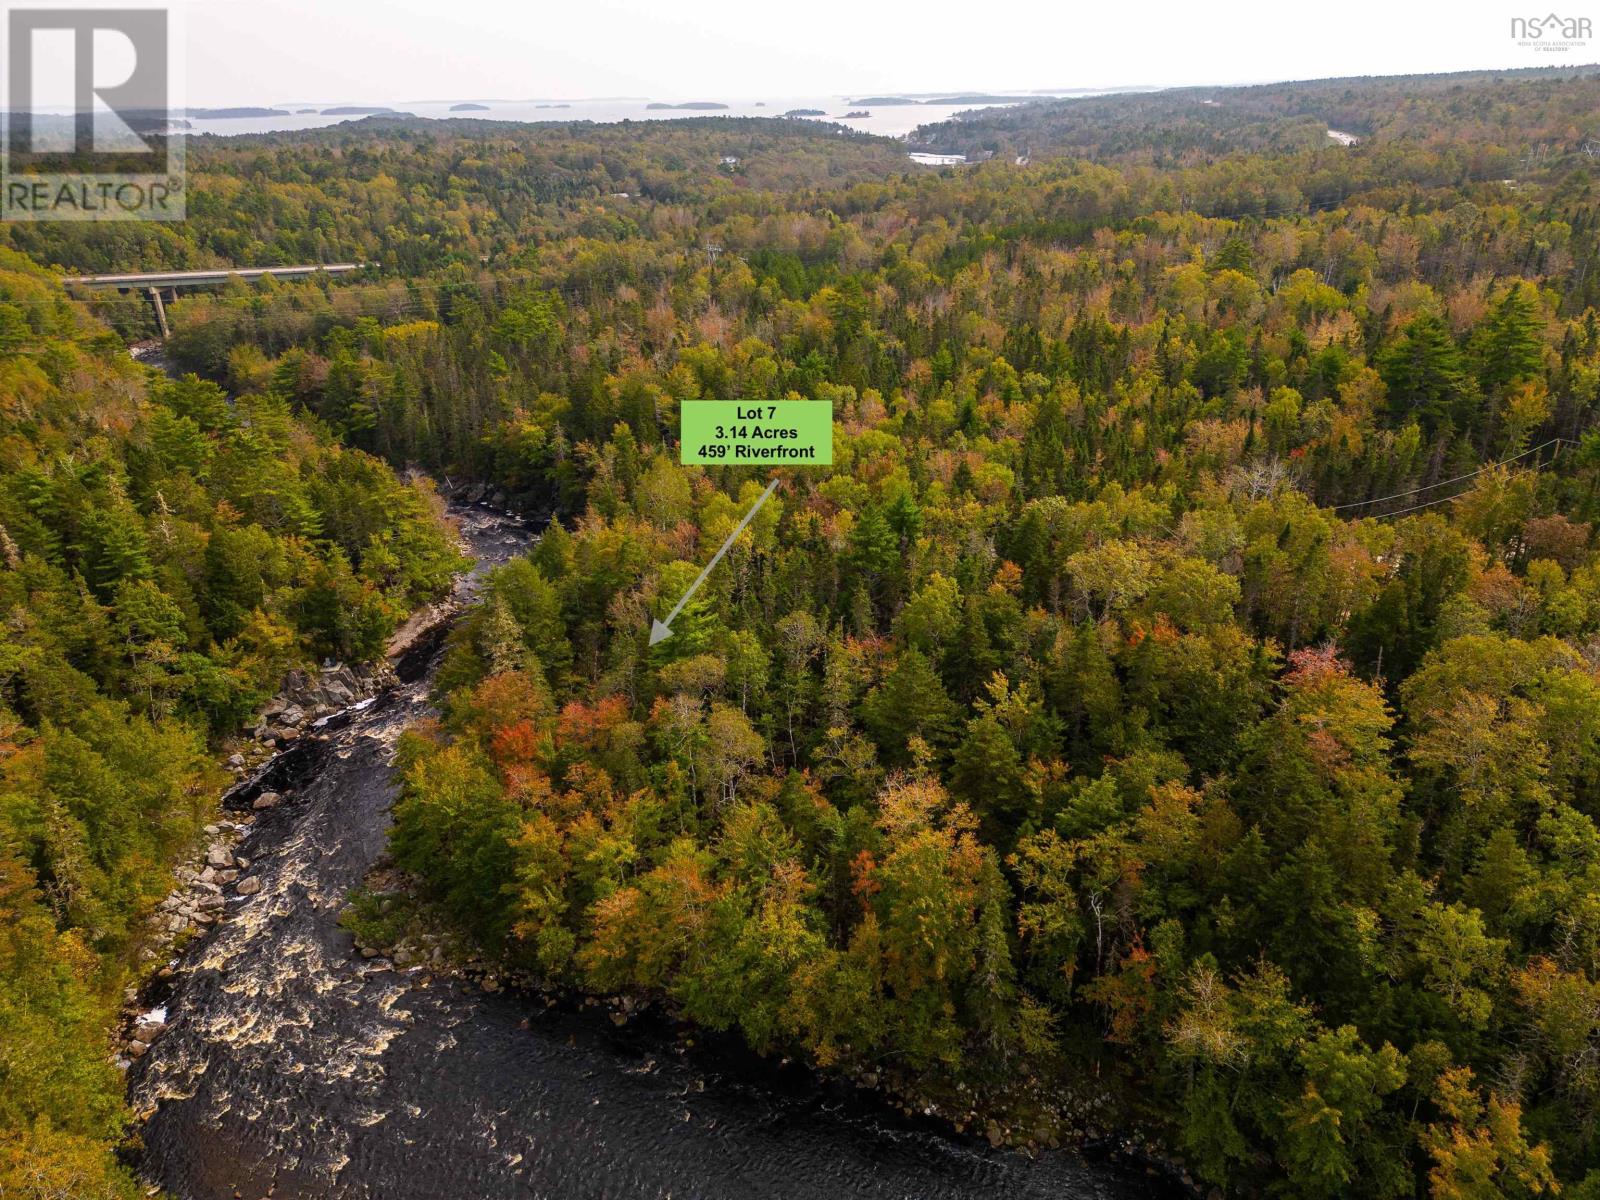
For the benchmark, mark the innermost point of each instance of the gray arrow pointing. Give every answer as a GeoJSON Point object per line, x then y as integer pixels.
{"type": "Point", "coordinates": [660, 631]}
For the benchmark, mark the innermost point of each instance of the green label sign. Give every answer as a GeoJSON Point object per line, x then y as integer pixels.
{"type": "Point", "coordinates": [783, 433]}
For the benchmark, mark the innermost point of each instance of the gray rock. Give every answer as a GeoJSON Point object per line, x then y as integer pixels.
{"type": "Point", "coordinates": [267, 800]}
{"type": "Point", "coordinates": [249, 886]}
{"type": "Point", "coordinates": [218, 856]}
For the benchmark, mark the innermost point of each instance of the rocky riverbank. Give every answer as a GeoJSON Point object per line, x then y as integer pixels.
{"type": "Point", "coordinates": [196, 903]}
{"type": "Point", "coordinates": [395, 931]}
{"type": "Point", "coordinates": [306, 705]}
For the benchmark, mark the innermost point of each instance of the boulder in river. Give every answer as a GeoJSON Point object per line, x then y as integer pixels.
{"type": "Point", "coordinates": [249, 886]}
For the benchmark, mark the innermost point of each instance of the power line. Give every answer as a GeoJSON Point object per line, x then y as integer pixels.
{"type": "Point", "coordinates": [1444, 482]}
{"type": "Point", "coordinates": [1400, 512]}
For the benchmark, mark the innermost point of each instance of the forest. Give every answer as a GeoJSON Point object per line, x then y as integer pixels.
{"type": "Point", "coordinates": [167, 552]}
{"type": "Point", "coordinates": [1484, 116]}
{"type": "Point", "coordinates": [1183, 690]}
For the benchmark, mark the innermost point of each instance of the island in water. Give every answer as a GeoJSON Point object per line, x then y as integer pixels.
{"type": "Point", "coordinates": [692, 104]}
{"type": "Point", "coordinates": [357, 110]}
{"type": "Point", "coordinates": [470, 108]}
{"type": "Point", "coordinates": [856, 114]}
{"type": "Point", "coordinates": [805, 112]}
{"type": "Point", "coordinates": [979, 98]}
{"type": "Point", "coordinates": [230, 114]}
{"type": "Point", "coordinates": [962, 98]}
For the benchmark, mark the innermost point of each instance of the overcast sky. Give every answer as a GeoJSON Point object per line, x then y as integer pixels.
{"type": "Point", "coordinates": [383, 51]}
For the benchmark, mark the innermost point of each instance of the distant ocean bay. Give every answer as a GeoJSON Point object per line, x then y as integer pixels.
{"type": "Point", "coordinates": [887, 120]}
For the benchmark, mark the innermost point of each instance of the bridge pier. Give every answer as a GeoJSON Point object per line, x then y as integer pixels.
{"type": "Point", "coordinates": [203, 278]}
{"type": "Point", "coordinates": [154, 296]}
{"type": "Point", "coordinates": [160, 288]}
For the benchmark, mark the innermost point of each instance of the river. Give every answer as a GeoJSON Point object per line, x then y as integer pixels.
{"type": "Point", "coordinates": [293, 1069]}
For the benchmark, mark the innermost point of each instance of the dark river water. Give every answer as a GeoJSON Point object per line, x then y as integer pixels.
{"type": "Point", "coordinates": [290, 1068]}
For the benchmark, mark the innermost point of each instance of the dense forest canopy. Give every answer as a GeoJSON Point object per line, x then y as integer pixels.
{"type": "Point", "coordinates": [1182, 689]}
{"type": "Point", "coordinates": [1489, 115]}
{"type": "Point", "coordinates": [414, 195]}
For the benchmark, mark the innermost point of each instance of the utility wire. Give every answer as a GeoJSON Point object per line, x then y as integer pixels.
{"type": "Point", "coordinates": [1445, 482]}
{"type": "Point", "coordinates": [1400, 512]}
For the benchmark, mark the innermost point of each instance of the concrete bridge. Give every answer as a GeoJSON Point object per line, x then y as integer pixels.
{"type": "Point", "coordinates": [162, 286]}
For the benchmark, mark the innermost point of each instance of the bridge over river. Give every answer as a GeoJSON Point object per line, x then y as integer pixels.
{"type": "Point", "coordinates": [160, 287]}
